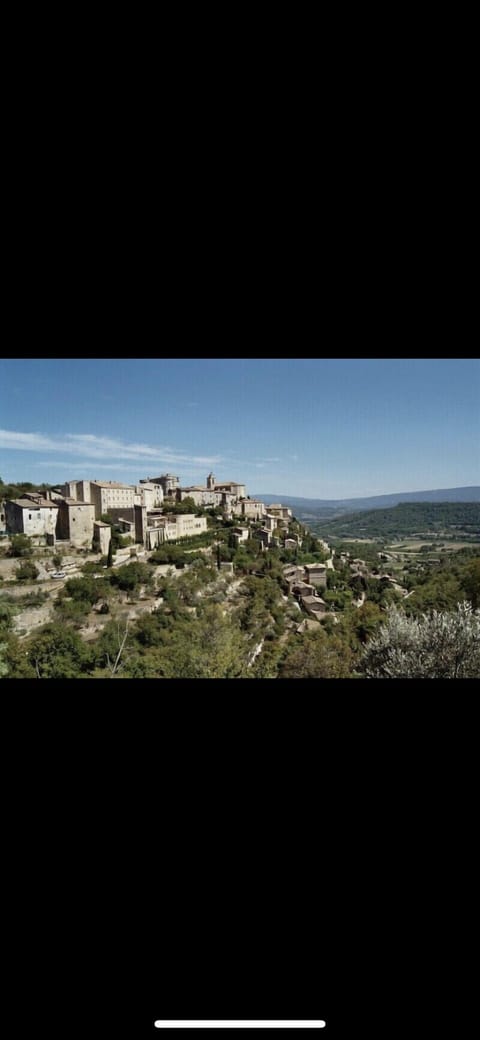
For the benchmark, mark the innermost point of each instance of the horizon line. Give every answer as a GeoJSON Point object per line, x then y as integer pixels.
{"type": "Point", "coordinates": [378, 494]}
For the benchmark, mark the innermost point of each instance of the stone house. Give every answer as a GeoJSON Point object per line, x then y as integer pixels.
{"type": "Point", "coordinates": [212, 493]}
{"type": "Point", "coordinates": [205, 497]}
{"type": "Point", "coordinates": [240, 534]}
{"type": "Point", "coordinates": [250, 508]}
{"type": "Point", "coordinates": [79, 490]}
{"type": "Point", "coordinates": [168, 483]}
{"type": "Point", "coordinates": [75, 522]}
{"type": "Point", "coordinates": [32, 515]}
{"type": "Point", "coordinates": [317, 574]}
{"type": "Point", "coordinates": [314, 605]}
{"type": "Point", "coordinates": [102, 536]}
{"type": "Point", "coordinates": [279, 511]}
{"type": "Point", "coordinates": [148, 494]}
{"type": "Point", "coordinates": [269, 521]}
{"type": "Point", "coordinates": [302, 588]}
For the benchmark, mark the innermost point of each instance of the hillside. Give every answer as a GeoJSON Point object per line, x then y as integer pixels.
{"type": "Point", "coordinates": [455, 520]}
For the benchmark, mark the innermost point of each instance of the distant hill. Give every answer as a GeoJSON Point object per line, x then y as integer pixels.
{"type": "Point", "coordinates": [329, 507]}
{"type": "Point", "coordinates": [449, 520]}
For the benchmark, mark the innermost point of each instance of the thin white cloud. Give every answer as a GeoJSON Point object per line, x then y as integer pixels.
{"type": "Point", "coordinates": [81, 467]}
{"type": "Point", "coordinates": [89, 446]}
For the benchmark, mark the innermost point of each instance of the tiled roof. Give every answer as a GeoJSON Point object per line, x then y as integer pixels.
{"type": "Point", "coordinates": [111, 484]}
{"type": "Point", "coordinates": [39, 503]}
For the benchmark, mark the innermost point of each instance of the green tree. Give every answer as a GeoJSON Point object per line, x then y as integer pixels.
{"type": "Point", "coordinates": [110, 554]}
{"type": "Point", "coordinates": [59, 653]}
{"type": "Point", "coordinates": [7, 614]}
{"type": "Point", "coordinates": [27, 571]}
{"type": "Point", "coordinates": [316, 655]}
{"type": "Point", "coordinates": [186, 506]}
{"type": "Point", "coordinates": [366, 621]}
{"type": "Point", "coordinates": [471, 583]}
{"type": "Point", "coordinates": [210, 646]}
{"type": "Point", "coordinates": [20, 545]}
{"type": "Point", "coordinates": [14, 659]}
{"type": "Point", "coordinates": [131, 576]}
{"type": "Point", "coordinates": [86, 589]}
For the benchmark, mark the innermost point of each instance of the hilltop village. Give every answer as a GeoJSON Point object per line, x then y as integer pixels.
{"type": "Point", "coordinates": [72, 514]}
{"type": "Point", "coordinates": [102, 579]}
{"type": "Point", "coordinates": [85, 516]}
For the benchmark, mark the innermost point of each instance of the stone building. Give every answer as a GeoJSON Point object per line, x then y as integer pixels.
{"type": "Point", "coordinates": [293, 574]}
{"type": "Point", "coordinates": [250, 508]}
{"type": "Point", "coordinates": [154, 528]}
{"type": "Point", "coordinates": [317, 574]}
{"type": "Point", "coordinates": [225, 495]}
{"type": "Point", "coordinates": [102, 535]}
{"type": "Point", "coordinates": [170, 528]}
{"type": "Point", "coordinates": [108, 495]}
{"type": "Point", "coordinates": [125, 527]}
{"type": "Point", "coordinates": [302, 588]}
{"type": "Point", "coordinates": [149, 494]}
{"type": "Point", "coordinates": [240, 534]}
{"type": "Point", "coordinates": [206, 497]}
{"type": "Point", "coordinates": [277, 510]}
{"type": "Point", "coordinates": [270, 522]}
{"type": "Point", "coordinates": [75, 522]}
{"type": "Point", "coordinates": [263, 536]}
{"type": "Point", "coordinates": [32, 515]}
{"type": "Point", "coordinates": [314, 606]}
{"type": "Point", "coordinates": [184, 526]}
{"type": "Point", "coordinates": [230, 487]}
{"type": "Point", "coordinates": [79, 490]}
{"type": "Point", "coordinates": [168, 482]}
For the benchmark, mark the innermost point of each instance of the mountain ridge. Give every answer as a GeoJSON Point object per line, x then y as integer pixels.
{"type": "Point", "coordinates": [460, 494]}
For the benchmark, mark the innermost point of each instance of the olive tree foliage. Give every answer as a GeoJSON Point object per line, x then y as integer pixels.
{"type": "Point", "coordinates": [3, 662]}
{"type": "Point", "coordinates": [439, 645]}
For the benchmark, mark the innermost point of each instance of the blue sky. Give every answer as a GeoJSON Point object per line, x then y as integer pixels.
{"type": "Point", "coordinates": [319, 428]}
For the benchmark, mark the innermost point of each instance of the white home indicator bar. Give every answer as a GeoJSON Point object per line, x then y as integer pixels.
{"type": "Point", "coordinates": [240, 1024]}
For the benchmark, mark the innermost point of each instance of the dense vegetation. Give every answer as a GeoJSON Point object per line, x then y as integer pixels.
{"type": "Point", "coordinates": [452, 519]}
{"type": "Point", "coordinates": [17, 490]}
{"type": "Point", "coordinates": [388, 614]}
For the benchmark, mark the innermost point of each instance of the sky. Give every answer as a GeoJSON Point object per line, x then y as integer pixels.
{"type": "Point", "coordinates": [315, 428]}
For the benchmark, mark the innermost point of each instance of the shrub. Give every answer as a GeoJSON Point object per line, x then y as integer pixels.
{"type": "Point", "coordinates": [440, 645]}
{"type": "Point", "coordinates": [86, 590]}
{"type": "Point", "coordinates": [27, 571]}
{"type": "Point", "coordinates": [20, 545]}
